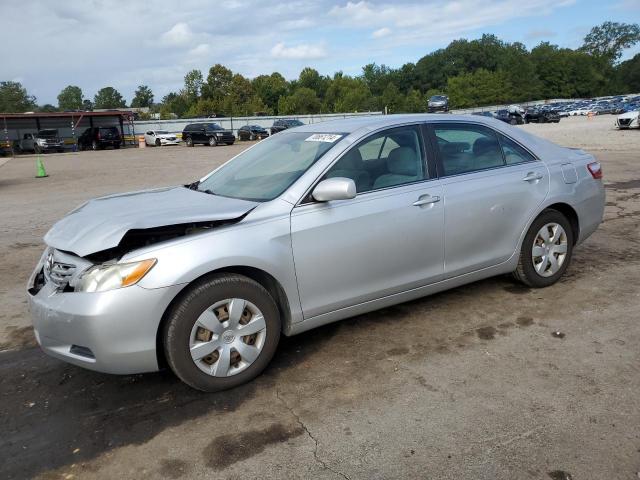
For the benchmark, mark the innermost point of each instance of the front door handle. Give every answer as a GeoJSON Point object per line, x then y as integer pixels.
{"type": "Point", "coordinates": [426, 200]}
{"type": "Point", "coordinates": [532, 176]}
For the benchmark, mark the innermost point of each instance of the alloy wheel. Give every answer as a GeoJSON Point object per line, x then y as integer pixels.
{"type": "Point", "coordinates": [227, 337]}
{"type": "Point", "coordinates": [549, 249]}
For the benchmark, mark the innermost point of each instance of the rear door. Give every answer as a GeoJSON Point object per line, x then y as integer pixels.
{"type": "Point", "coordinates": [491, 188]}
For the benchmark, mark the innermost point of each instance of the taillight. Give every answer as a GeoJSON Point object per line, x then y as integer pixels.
{"type": "Point", "coordinates": [595, 170]}
{"type": "Point", "coordinates": [98, 137]}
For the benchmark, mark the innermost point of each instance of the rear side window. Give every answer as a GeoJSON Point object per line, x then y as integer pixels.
{"type": "Point", "coordinates": [514, 153]}
{"type": "Point", "coordinates": [467, 148]}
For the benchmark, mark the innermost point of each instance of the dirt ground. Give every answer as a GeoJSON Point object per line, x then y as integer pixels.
{"type": "Point", "coordinates": [467, 384]}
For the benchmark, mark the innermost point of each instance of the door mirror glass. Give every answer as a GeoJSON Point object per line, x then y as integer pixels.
{"type": "Point", "coordinates": [338, 188]}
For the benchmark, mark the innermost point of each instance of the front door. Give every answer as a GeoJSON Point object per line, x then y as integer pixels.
{"type": "Point", "coordinates": [387, 240]}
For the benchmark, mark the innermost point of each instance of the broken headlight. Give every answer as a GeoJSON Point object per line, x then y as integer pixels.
{"type": "Point", "coordinates": [111, 276]}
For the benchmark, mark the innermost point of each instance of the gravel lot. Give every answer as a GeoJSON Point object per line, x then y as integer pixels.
{"type": "Point", "coordinates": [467, 384]}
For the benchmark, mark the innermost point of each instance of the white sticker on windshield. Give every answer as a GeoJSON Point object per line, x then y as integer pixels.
{"type": "Point", "coordinates": [323, 137]}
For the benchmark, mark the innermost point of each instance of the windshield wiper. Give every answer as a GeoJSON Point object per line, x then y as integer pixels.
{"type": "Point", "coordinates": [193, 186]}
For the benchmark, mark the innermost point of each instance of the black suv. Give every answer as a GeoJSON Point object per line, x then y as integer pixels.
{"type": "Point", "coordinates": [97, 138]}
{"type": "Point", "coordinates": [280, 125]}
{"type": "Point", "coordinates": [252, 132]}
{"type": "Point", "coordinates": [210, 134]}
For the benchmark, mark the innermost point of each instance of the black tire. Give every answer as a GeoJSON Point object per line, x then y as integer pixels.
{"type": "Point", "coordinates": [117, 146]}
{"type": "Point", "coordinates": [526, 272]}
{"type": "Point", "coordinates": [513, 121]}
{"type": "Point", "coordinates": [158, 142]}
{"type": "Point", "coordinates": [95, 145]}
{"type": "Point", "coordinates": [183, 315]}
{"type": "Point", "coordinates": [252, 137]}
{"type": "Point", "coordinates": [213, 142]}
{"type": "Point", "coordinates": [189, 142]}
{"type": "Point", "coordinates": [37, 149]}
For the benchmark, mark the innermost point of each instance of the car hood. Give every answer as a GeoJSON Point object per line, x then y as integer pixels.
{"type": "Point", "coordinates": [631, 115]}
{"type": "Point", "coordinates": [101, 223]}
{"type": "Point", "coordinates": [166, 135]}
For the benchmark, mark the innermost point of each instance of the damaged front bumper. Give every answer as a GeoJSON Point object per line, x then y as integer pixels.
{"type": "Point", "coordinates": [113, 331]}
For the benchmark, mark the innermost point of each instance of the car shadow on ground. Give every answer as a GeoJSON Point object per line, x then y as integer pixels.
{"type": "Point", "coordinates": [53, 414]}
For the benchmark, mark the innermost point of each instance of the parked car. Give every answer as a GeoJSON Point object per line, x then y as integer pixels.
{"type": "Point", "coordinates": [283, 124]}
{"type": "Point", "coordinates": [5, 148]}
{"type": "Point", "coordinates": [252, 132]}
{"type": "Point", "coordinates": [210, 134]}
{"type": "Point", "coordinates": [301, 230]}
{"type": "Point", "coordinates": [628, 120]}
{"type": "Point", "coordinates": [159, 138]}
{"type": "Point", "coordinates": [46, 140]}
{"type": "Point", "coordinates": [510, 117]}
{"type": "Point", "coordinates": [97, 138]}
{"type": "Point", "coordinates": [438, 103]}
{"type": "Point", "coordinates": [541, 116]}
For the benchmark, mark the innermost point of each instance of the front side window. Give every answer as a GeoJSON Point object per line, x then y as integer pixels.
{"type": "Point", "coordinates": [266, 170]}
{"type": "Point", "coordinates": [467, 148]}
{"type": "Point", "coordinates": [389, 158]}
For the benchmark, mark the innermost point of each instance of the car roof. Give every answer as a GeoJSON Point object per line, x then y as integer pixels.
{"type": "Point", "coordinates": [353, 124]}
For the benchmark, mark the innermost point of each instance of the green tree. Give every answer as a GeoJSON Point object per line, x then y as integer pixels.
{"type": "Point", "coordinates": [218, 83]}
{"type": "Point", "coordinates": [47, 107]}
{"type": "Point", "coordinates": [193, 82]}
{"type": "Point", "coordinates": [609, 39]}
{"type": "Point", "coordinates": [87, 105]}
{"type": "Point", "coordinates": [628, 75]}
{"type": "Point", "coordinates": [270, 88]}
{"type": "Point", "coordinates": [310, 78]}
{"type": "Point", "coordinates": [392, 99]}
{"type": "Point", "coordinates": [481, 87]}
{"type": "Point", "coordinates": [15, 99]}
{"type": "Point", "coordinates": [302, 101]}
{"type": "Point", "coordinates": [108, 97]}
{"type": "Point", "coordinates": [173, 104]}
{"type": "Point", "coordinates": [415, 102]}
{"type": "Point", "coordinates": [143, 97]}
{"type": "Point", "coordinates": [70, 98]}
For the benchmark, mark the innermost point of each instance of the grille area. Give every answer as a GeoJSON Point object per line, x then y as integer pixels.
{"type": "Point", "coordinates": [58, 273]}
{"type": "Point", "coordinates": [624, 122]}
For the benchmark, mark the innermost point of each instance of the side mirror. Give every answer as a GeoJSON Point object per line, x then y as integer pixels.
{"type": "Point", "coordinates": [338, 188]}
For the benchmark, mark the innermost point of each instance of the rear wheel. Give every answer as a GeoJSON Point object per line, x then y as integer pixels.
{"type": "Point", "coordinates": [189, 142]}
{"type": "Point", "coordinates": [222, 333]}
{"type": "Point", "coordinates": [546, 250]}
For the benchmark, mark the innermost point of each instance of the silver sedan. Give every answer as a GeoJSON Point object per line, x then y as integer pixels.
{"type": "Point", "coordinates": [313, 225]}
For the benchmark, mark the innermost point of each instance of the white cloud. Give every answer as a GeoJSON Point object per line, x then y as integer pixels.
{"type": "Point", "coordinates": [381, 32]}
{"type": "Point", "coordinates": [302, 51]}
{"type": "Point", "coordinates": [431, 20]}
{"type": "Point", "coordinates": [178, 35]}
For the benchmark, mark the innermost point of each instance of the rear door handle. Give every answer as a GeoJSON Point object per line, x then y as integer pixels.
{"type": "Point", "coordinates": [426, 200]}
{"type": "Point", "coordinates": [532, 176]}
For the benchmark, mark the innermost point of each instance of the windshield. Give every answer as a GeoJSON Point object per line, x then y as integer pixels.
{"type": "Point", "coordinates": [213, 126]}
{"type": "Point", "coordinates": [47, 133]}
{"type": "Point", "coordinates": [268, 169]}
{"type": "Point", "coordinates": [438, 98]}
{"type": "Point", "coordinates": [294, 123]}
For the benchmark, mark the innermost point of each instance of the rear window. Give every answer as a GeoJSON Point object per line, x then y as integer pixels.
{"type": "Point", "coordinates": [113, 130]}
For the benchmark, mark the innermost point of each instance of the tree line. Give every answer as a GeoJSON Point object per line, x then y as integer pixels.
{"type": "Point", "coordinates": [484, 71]}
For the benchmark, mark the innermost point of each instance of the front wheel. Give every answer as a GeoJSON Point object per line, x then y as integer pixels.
{"type": "Point", "coordinates": [94, 145]}
{"type": "Point", "coordinates": [222, 333]}
{"type": "Point", "coordinates": [546, 250]}
{"type": "Point", "coordinates": [212, 141]}
{"type": "Point", "coordinates": [158, 142]}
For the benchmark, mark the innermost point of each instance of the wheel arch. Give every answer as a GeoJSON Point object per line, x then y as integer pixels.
{"type": "Point", "coordinates": [260, 276]}
{"type": "Point", "coordinates": [569, 212]}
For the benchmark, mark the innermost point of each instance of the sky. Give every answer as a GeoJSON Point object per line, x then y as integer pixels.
{"type": "Point", "coordinates": [49, 44]}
